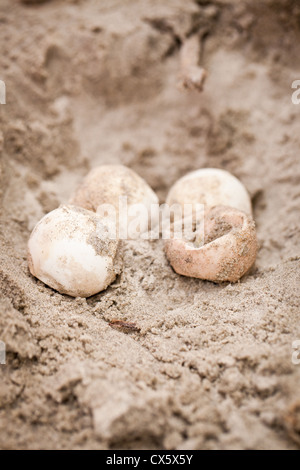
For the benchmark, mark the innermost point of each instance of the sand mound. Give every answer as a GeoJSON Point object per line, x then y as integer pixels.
{"type": "Point", "coordinates": [90, 83]}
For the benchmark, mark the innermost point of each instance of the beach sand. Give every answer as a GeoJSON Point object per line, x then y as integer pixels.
{"type": "Point", "coordinates": [96, 82]}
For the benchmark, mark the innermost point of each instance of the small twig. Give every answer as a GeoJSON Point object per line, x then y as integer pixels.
{"type": "Point", "coordinates": [192, 75]}
{"type": "Point", "coordinates": [125, 327]}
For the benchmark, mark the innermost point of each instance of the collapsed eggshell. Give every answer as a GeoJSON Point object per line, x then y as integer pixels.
{"type": "Point", "coordinates": [105, 184]}
{"type": "Point", "coordinates": [71, 250]}
{"type": "Point", "coordinates": [211, 187]}
{"type": "Point", "coordinates": [227, 252]}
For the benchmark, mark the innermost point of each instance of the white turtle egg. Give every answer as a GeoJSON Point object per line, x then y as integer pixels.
{"type": "Point", "coordinates": [211, 187]}
{"type": "Point", "coordinates": [74, 251]}
{"type": "Point", "coordinates": [122, 192]}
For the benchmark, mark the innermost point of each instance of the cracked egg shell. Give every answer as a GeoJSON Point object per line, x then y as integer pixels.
{"type": "Point", "coordinates": [227, 252]}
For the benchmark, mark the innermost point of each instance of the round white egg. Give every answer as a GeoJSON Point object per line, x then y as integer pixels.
{"type": "Point", "coordinates": [211, 187]}
{"type": "Point", "coordinates": [74, 251]}
{"type": "Point", "coordinates": [119, 188]}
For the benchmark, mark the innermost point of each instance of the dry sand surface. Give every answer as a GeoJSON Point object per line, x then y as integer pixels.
{"type": "Point", "coordinates": [93, 82]}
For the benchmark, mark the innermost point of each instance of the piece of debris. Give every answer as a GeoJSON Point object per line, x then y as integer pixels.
{"type": "Point", "coordinates": [192, 76]}
{"type": "Point", "coordinates": [126, 327]}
